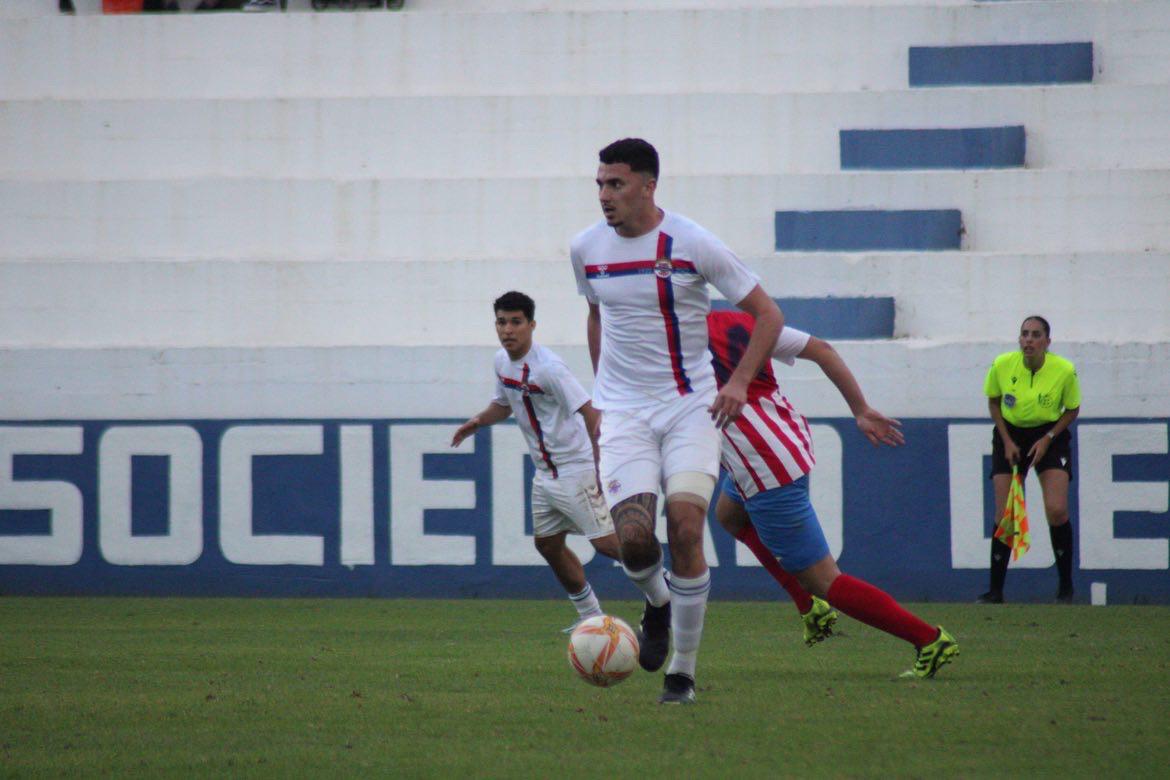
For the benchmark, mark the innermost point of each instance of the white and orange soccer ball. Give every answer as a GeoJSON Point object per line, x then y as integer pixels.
{"type": "Point", "coordinates": [603, 650]}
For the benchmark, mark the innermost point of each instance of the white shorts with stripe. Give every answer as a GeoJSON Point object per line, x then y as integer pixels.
{"type": "Point", "coordinates": [572, 503]}
{"type": "Point", "coordinates": [641, 448]}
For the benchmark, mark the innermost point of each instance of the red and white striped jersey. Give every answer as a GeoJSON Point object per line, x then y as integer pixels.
{"type": "Point", "coordinates": [653, 297]}
{"type": "Point", "coordinates": [544, 397]}
{"type": "Point", "coordinates": [770, 445]}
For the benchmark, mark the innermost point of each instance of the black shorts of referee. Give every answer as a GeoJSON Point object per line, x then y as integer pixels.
{"type": "Point", "coordinates": [1059, 455]}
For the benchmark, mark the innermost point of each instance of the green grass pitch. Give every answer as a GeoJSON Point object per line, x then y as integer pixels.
{"type": "Point", "coordinates": [364, 688]}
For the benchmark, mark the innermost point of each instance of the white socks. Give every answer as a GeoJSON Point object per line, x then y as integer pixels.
{"type": "Point", "coordinates": [651, 582]}
{"type": "Point", "coordinates": [586, 602]}
{"type": "Point", "coordinates": [688, 606]}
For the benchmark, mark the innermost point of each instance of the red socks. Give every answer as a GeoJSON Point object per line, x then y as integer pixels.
{"type": "Point", "coordinates": [799, 595]}
{"type": "Point", "coordinates": [873, 606]}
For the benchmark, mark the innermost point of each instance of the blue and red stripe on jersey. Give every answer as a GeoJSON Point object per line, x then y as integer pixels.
{"type": "Point", "coordinates": [636, 267]}
{"type": "Point", "coordinates": [670, 318]}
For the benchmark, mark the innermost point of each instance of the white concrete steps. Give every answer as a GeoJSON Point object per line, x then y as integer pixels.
{"type": "Point", "coordinates": [1084, 126]}
{"type": "Point", "coordinates": [779, 49]}
{"type": "Point", "coordinates": [1003, 211]}
{"type": "Point", "coordinates": [941, 296]}
{"type": "Point", "coordinates": [448, 382]}
{"type": "Point", "coordinates": [962, 296]}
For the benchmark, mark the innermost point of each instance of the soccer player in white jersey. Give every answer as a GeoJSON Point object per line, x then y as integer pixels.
{"type": "Point", "coordinates": [556, 417]}
{"type": "Point", "coordinates": [767, 456]}
{"type": "Point", "coordinates": [644, 272]}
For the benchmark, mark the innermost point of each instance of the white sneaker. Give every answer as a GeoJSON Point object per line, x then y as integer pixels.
{"type": "Point", "coordinates": [261, 5]}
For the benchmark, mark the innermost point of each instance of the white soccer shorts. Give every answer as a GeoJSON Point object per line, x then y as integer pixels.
{"type": "Point", "coordinates": [641, 448]}
{"type": "Point", "coordinates": [571, 503]}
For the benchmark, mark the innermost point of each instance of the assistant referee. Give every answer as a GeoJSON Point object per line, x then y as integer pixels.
{"type": "Point", "coordinates": [1033, 396]}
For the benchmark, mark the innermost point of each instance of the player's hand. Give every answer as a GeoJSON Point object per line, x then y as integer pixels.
{"type": "Point", "coordinates": [1011, 452]}
{"type": "Point", "coordinates": [463, 431]}
{"type": "Point", "coordinates": [880, 429]}
{"type": "Point", "coordinates": [728, 404]}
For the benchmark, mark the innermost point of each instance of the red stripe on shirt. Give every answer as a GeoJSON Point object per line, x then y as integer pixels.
{"type": "Point", "coordinates": [795, 442]}
{"type": "Point", "coordinates": [535, 423]}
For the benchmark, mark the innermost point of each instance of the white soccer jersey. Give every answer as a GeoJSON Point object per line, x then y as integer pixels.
{"type": "Point", "coordinates": [653, 297]}
{"type": "Point", "coordinates": [544, 397]}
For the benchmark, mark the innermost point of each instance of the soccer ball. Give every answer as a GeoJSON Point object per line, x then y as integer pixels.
{"type": "Point", "coordinates": [603, 650]}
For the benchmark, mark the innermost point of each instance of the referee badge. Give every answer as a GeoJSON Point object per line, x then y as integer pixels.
{"type": "Point", "coordinates": [1009, 400]}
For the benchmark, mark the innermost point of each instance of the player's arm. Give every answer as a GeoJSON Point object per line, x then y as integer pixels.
{"type": "Point", "coordinates": [593, 334]}
{"type": "Point", "coordinates": [592, 419]}
{"type": "Point", "coordinates": [878, 428]}
{"type": "Point", "coordinates": [730, 401]}
{"type": "Point", "coordinates": [1010, 450]}
{"type": "Point", "coordinates": [492, 414]}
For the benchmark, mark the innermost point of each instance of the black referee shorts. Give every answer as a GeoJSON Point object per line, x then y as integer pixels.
{"type": "Point", "coordinates": [1059, 455]}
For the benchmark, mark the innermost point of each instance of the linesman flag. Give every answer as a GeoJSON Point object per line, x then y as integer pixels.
{"type": "Point", "coordinates": [1013, 526]}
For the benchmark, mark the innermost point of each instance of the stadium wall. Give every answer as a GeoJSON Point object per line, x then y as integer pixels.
{"type": "Point", "coordinates": [328, 472]}
{"type": "Point", "coordinates": [247, 263]}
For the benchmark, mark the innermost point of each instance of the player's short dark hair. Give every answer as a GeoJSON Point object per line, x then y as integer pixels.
{"type": "Point", "coordinates": [1042, 321]}
{"type": "Point", "coordinates": [634, 152]}
{"type": "Point", "coordinates": [516, 301]}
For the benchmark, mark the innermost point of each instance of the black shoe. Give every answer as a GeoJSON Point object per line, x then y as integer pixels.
{"type": "Point", "coordinates": [654, 636]}
{"type": "Point", "coordinates": [1064, 595]}
{"type": "Point", "coordinates": [677, 689]}
{"type": "Point", "coordinates": [990, 597]}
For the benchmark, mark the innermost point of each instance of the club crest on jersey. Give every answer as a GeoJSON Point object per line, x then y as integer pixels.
{"type": "Point", "coordinates": [663, 268]}
{"type": "Point", "coordinates": [613, 486]}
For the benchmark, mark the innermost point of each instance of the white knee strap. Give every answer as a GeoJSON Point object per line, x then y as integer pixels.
{"type": "Point", "coordinates": [694, 487]}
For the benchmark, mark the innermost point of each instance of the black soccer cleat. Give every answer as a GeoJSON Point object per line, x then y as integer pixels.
{"type": "Point", "coordinates": [654, 636]}
{"type": "Point", "coordinates": [1064, 595]}
{"type": "Point", "coordinates": [990, 597]}
{"type": "Point", "coordinates": [677, 689]}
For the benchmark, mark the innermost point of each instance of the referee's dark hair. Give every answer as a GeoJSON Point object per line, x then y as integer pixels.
{"type": "Point", "coordinates": [1037, 317]}
{"type": "Point", "coordinates": [516, 301]}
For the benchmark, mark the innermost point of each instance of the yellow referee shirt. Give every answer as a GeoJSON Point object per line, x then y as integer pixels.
{"type": "Point", "coordinates": [1027, 398]}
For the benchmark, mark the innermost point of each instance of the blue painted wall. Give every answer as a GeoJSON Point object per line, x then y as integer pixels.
{"type": "Point", "coordinates": [898, 526]}
{"type": "Point", "coordinates": [971, 147]}
{"type": "Point", "coordinates": [836, 318]}
{"type": "Point", "coordinates": [859, 230]}
{"type": "Point", "coordinates": [991, 65]}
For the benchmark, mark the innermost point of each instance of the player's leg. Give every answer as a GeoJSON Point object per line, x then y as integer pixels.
{"type": "Point", "coordinates": [1054, 485]}
{"type": "Point", "coordinates": [789, 526]}
{"type": "Point", "coordinates": [730, 513]}
{"type": "Point", "coordinates": [690, 466]}
{"type": "Point", "coordinates": [630, 469]}
{"type": "Point", "coordinates": [550, 526]}
{"type": "Point", "coordinates": [608, 546]}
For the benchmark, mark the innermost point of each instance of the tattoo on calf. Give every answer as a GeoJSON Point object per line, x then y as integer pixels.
{"type": "Point", "coordinates": [633, 518]}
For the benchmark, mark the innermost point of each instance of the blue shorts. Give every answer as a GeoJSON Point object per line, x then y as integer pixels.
{"type": "Point", "coordinates": [786, 522]}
